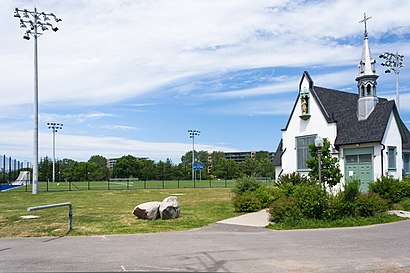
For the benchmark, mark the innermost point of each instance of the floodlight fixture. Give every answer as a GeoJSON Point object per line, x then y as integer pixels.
{"type": "Point", "coordinates": [393, 62]}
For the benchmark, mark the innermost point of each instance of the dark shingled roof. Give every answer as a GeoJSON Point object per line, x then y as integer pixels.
{"type": "Point", "coordinates": [277, 159]}
{"type": "Point", "coordinates": [341, 107]}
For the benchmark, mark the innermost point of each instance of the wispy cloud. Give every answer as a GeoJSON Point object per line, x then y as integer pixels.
{"type": "Point", "coordinates": [74, 118]}
{"type": "Point", "coordinates": [131, 64]}
{"type": "Point", "coordinates": [115, 127]}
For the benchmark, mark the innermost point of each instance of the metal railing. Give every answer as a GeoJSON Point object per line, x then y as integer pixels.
{"type": "Point", "coordinates": [70, 211]}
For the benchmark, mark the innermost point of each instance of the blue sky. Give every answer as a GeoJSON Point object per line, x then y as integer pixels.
{"type": "Point", "coordinates": [131, 77]}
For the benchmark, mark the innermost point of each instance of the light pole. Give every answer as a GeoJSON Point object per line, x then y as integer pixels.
{"type": "Point", "coordinates": [192, 134]}
{"type": "Point", "coordinates": [393, 62]}
{"type": "Point", "coordinates": [37, 22]}
{"type": "Point", "coordinates": [319, 145]}
{"type": "Point", "coordinates": [54, 127]}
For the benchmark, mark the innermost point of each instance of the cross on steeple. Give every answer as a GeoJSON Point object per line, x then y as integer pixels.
{"type": "Point", "coordinates": [365, 18]}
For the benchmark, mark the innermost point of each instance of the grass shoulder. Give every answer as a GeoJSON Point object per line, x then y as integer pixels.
{"type": "Point", "coordinates": [290, 224]}
{"type": "Point", "coordinates": [97, 212]}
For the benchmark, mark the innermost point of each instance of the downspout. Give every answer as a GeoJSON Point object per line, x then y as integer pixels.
{"type": "Point", "coordinates": [382, 156]}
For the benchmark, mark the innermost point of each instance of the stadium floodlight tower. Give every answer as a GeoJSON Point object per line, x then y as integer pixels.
{"type": "Point", "coordinates": [192, 134]}
{"type": "Point", "coordinates": [54, 127]}
{"type": "Point", "coordinates": [36, 23]}
{"type": "Point", "coordinates": [394, 61]}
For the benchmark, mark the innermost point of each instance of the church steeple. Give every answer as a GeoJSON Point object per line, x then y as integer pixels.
{"type": "Point", "coordinates": [366, 78]}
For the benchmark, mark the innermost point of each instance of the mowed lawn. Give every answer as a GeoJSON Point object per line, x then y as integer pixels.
{"type": "Point", "coordinates": [97, 212]}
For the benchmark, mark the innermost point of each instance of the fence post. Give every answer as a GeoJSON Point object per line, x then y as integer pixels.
{"type": "Point", "coordinates": [69, 185]}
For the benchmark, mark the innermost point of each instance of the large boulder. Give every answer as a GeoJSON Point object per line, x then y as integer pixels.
{"type": "Point", "coordinates": [149, 210]}
{"type": "Point", "coordinates": [169, 208]}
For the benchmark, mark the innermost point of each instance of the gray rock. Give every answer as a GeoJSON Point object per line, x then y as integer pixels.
{"type": "Point", "coordinates": [169, 208]}
{"type": "Point", "coordinates": [149, 210]}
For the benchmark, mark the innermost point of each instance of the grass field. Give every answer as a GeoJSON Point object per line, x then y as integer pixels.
{"type": "Point", "coordinates": [132, 185]}
{"type": "Point", "coordinates": [97, 212]}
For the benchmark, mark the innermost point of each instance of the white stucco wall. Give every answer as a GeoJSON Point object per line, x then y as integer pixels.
{"type": "Point", "coordinates": [392, 137]}
{"type": "Point", "coordinates": [315, 125]}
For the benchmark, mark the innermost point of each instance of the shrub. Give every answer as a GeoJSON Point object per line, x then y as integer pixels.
{"type": "Point", "coordinates": [265, 196]}
{"type": "Point", "coordinates": [294, 179]}
{"type": "Point", "coordinates": [246, 185]}
{"type": "Point", "coordinates": [405, 204]}
{"type": "Point", "coordinates": [351, 191]}
{"type": "Point", "coordinates": [310, 200]}
{"type": "Point", "coordinates": [285, 208]}
{"type": "Point", "coordinates": [246, 203]}
{"type": "Point", "coordinates": [370, 204]}
{"type": "Point", "coordinates": [391, 189]}
{"type": "Point", "coordinates": [334, 207]}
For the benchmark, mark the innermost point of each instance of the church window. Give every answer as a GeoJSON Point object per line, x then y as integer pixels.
{"type": "Point", "coordinates": [406, 163]}
{"type": "Point", "coordinates": [391, 154]}
{"type": "Point", "coordinates": [302, 150]}
{"type": "Point", "coordinates": [369, 89]}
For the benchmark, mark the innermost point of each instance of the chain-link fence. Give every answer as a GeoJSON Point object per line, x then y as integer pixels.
{"type": "Point", "coordinates": [134, 184]}
{"type": "Point", "coordinates": [10, 168]}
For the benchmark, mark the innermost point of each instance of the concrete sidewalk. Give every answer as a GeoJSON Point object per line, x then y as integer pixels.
{"type": "Point", "coordinates": [254, 219]}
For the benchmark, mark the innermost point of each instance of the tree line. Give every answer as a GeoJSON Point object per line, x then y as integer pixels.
{"type": "Point", "coordinates": [128, 166]}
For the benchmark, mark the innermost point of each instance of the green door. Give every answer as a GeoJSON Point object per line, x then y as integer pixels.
{"type": "Point", "coordinates": [359, 165]}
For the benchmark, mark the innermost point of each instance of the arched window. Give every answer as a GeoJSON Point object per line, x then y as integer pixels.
{"type": "Point", "coordinates": [369, 89]}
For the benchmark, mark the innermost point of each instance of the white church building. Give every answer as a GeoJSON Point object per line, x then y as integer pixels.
{"type": "Point", "coordinates": [366, 132]}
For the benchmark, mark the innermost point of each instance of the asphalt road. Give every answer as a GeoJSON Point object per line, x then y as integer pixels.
{"type": "Point", "coordinates": [218, 248]}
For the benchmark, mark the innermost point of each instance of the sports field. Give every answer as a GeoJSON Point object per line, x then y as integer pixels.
{"type": "Point", "coordinates": [132, 185]}
{"type": "Point", "coordinates": [97, 212]}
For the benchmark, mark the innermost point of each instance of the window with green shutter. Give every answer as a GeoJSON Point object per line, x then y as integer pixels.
{"type": "Point", "coordinates": [391, 153]}
{"type": "Point", "coordinates": [302, 150]}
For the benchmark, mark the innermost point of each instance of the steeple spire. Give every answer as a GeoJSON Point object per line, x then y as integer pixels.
{"type": "Point", "coordinates": [366, 78]}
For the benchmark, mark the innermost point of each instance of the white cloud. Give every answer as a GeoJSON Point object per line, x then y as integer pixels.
{"type": "Point", "coordinates": [116, 127]}
{"type": "Point", "coordinates": [115, 50]}
{"type": "Point", "coordinates": [18, 144]}
{"type": "Point", "coordinates": [73, 118]}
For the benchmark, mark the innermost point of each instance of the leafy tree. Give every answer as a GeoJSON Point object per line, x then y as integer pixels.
{"type": "Point", "coordinates": [97, 168]}
{"type": "Point", "coordinates": [148, 169]}
{"type": "Point", "coordinates": [45, 169]}
{"type": "Point", "coordinates": [126, 167]}
{"type": "Point", "coordinates": [249, 167]}
{"type": "Point", "coordinates": [331, 173]}
{"type": "Point", "coordinates": [264, 168]}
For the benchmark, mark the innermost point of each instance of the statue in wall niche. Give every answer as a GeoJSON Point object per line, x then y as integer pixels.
{"type": "Point", "coordinates": [304, 106]}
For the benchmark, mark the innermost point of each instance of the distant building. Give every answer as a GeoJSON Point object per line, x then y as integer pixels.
{"type": "Point", "coordinates": [239, 157]}
{"type": "Point", "coordinates": [111, 161]}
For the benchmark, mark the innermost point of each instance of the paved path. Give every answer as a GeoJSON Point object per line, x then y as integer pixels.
{"type": "Point", "coordinates": [255, 219]}
{"type": "Point", "coordinates": [218, 248]}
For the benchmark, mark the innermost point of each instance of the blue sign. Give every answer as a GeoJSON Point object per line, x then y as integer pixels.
{"type": "Point", "coordinates": [198, 166]}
